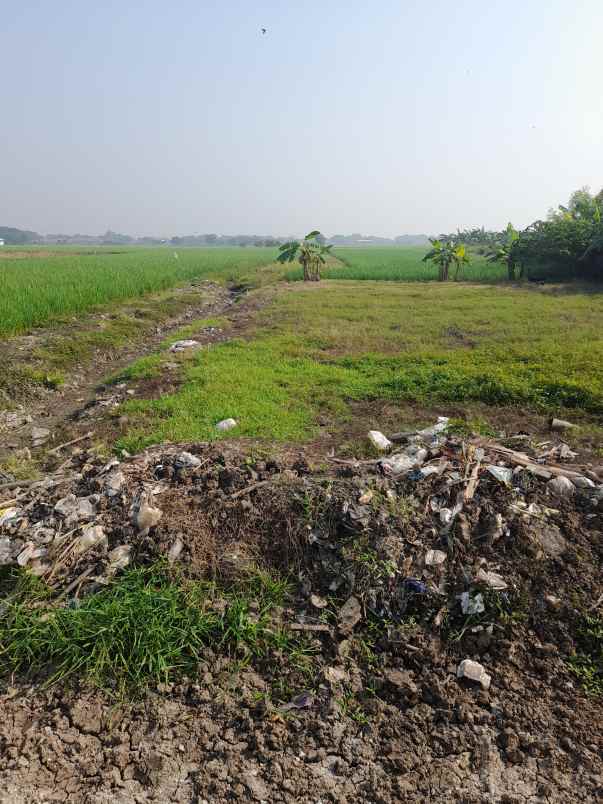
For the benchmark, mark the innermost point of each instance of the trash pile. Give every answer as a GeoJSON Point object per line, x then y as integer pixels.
{"type": "Point", "coordinates": [435, 517]}
{"type": "Point", "coordinates": [437, 585]}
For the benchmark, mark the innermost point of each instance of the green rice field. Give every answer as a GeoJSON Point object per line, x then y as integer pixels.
{"type": "Point", "coordinates": [40, 286]}
{"type": "Point", "coordinates": [399, 264]}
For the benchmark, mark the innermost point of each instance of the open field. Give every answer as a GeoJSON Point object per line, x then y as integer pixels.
{"type": "Point", "coordinates": [316, 349]}
{"type": "Point", "coordinates": [36, 290]}
{"type": "Point", "coordinates": [402, 264]}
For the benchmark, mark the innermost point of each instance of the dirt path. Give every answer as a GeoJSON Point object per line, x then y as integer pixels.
{"type": "Point", "coordinates": [69, 411]}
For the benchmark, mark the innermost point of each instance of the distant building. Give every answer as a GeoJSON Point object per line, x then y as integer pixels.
{"type": "Point", "coordinates": [1, 242]}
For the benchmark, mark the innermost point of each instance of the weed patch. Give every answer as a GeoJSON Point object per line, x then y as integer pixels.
{"type": "Point", "coordinates": [587, 662]}
{"type": "Point", "coordinates": [146, 628]}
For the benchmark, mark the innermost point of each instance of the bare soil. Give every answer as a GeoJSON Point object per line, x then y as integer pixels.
{"type": "Point", "coordinates": [397, 725]}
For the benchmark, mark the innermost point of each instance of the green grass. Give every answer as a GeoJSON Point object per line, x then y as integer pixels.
{"type": "Point", "coordinates": [37, 290]}
{"type": "Point", "coordinates": [147, 627]}
{"type": "Point", "coordinates": [317, 348]}
{"type": "Point", "coordinates": [587, 662]}
{"type": "Point", "coordinates": [401, 264]}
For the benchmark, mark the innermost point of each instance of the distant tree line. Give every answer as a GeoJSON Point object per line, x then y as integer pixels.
{"type": "Point", "coordinates": [17, 237]}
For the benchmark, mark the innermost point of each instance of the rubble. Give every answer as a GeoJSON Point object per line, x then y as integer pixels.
{"type": "Point", "coordinates": [39, 436]}
{"type": "Point", "coordinates": [474, 671]}
{"type": "Point", "coordinates": [379, 441]}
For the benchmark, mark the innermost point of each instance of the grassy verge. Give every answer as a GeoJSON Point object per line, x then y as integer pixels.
{"type": "Point", "coordinates": [39, 290]}
{"type": "Point", "coordinates": [150, 626]}
{"type": "Point", "coordinates": [316, 349]}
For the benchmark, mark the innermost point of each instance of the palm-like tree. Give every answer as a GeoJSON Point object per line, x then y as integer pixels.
{"type": "Point", "coordinates": [505, 250]}
{"type": "Point", "coordinates": [445, 253]}
{"type": "Point", "coordinates": [310, 253]}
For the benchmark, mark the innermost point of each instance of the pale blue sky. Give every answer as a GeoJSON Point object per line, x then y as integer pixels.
{"type": "Point", "coordinates": [383, 118]}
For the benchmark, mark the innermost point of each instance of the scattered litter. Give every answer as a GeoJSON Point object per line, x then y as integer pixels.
{"type": "Point", "coordinates": [472, 605]}
{"type": "Point", "coordinates": [474, 671]}
{"type": "Point", "coordinates": [6, 514]}
{"type": "Point", "coordinates": [301, 701]}
{"type": "Point", "coordinates": [415, 585]}
{"type": "Point", "coordinates": [379, 441]}
{"type": "Point", "coordinates": [92, 536]}
{"type": "Point", "coordinates": [335, 675]}
{"type": "Point", "coordinates": [181, 346]}
{"type": "Point", "coordinates": [144, 515]}
{"type": "Point", "coordinates": [175, 551]}
{"type": "Point", "coordinates": [583, 482]}
{"type": "Point", "coordinates": [318, 602]}
{"type": "Point", "coordinates": [366, 497]}
{"type": "Point", "coordinates": [435, 557]}
{"type": "Point", "coordinates": [185, 460]}
{"type": "Point", "coordinates": [561, 487]}
{"type": "Point", "coordinates": [397, 464]}
{"type": "Point", "coordinates": [550, 539]}
{"type": "Point", "coordinates": [560, 425]}
{"type": "Point", "coordinates": [491, 579]}
{"type": "Point", "coordinates": [226, 424]}
{"type": "Point", "coordinates": [120, 557]}
{"type": "Point", "coordinates": [502, 473]}
{"type": "Point", "coordinates": [114, 483]}
{"type": "Point", "coordinates": [436, 429]}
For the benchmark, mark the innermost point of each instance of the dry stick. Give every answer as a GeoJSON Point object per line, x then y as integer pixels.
{"type": "Point", "coordinates": [253, 487]}
{"type": "Point", "coordinates": [69, 443]}
{"type": "Point", "coordinates": [354, 462]}
{"type": "Point", "coordinates": [472, 485]}
{"type": "Point", "coordinates": [82, 576]}
{"type": "Point", "coordinates": [309, 627]}
{"type": "Point", "coordinates": [523, 460]}
{"type": "Point", "coordinates": [15, 484]}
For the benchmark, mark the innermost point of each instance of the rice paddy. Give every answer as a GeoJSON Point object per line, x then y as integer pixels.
{"type": "Point", "coordinates": [399, 264]}
{"type": "Point", "coordinates": [35, 290]}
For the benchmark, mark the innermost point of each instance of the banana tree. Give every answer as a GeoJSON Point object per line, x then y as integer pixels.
{"type": "Point", "coordinates": [310, 253]}
{"type": "Point", "coordinates": [505, 251]}
{"type": "Point", "coordinates": [444, 254]}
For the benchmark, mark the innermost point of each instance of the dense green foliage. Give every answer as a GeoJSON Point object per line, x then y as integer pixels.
{"type": "Point", "coordinates": [36, 290]}
{"type": "Point", "coordinates": [568, 245]}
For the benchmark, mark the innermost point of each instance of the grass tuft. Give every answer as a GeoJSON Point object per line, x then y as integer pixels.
{"type": "Point", "coordinates": [145, 628]}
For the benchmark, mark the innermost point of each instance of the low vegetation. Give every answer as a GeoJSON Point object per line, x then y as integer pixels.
{"type": "Point", "coordinates": [147, 628]}
{"type": "Point", "coordinates": [316, 351]}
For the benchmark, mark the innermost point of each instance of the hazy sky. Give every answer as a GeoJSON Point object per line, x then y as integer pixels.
{"type": "Point", "coordinates": [385, 118]}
